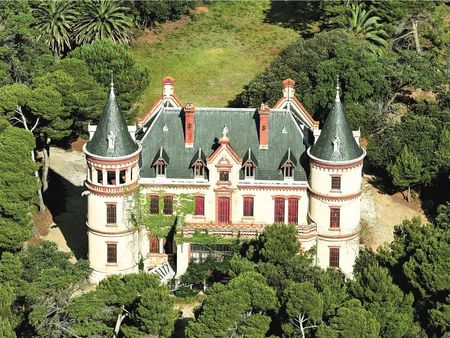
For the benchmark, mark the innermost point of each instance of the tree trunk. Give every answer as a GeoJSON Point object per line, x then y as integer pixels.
{"type": "Point", "coordinates": [301, 325]}
{"type": "Point", "coordinates": [409, 194]}
{"type": "Point", "coordinates": [41, 199]}
{"type": "Point", "coordinates": [416, 36]}
{"type": "Point", "coordinates": [120, 318]}
{"type": "Point", "coordinates": [45, 170]}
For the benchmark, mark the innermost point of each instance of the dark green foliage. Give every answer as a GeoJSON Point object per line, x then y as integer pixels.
{"type": "Point", "coordinates": [351, 321]}
{"type": "Point", "coordinates": [407, 170]}
{"type": "Point", "coordinates": [418, 262]}
{"type": "Point", "coordinates": [374, 287]}
{"type": "Point", "coordinates": [304, 306]}
{"type": "Point", "coordinates": [21, 55]}
{"type": "Point", "coordinates": [103, 20]}
{"type": "Point", "coordinates": [149, 13]}
{"type": "Point", "coordinates": [148, 303]}
{"type": "Point", "coordinates": [236, 308]}
{"type": "Point", "coordinates": [106, 57]}
{"type": "Point", "coordinates": [279, 243]}
{"type": "Point", "coordinates": [18, 186]}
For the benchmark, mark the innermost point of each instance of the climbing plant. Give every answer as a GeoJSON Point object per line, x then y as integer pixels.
{"type": "Point", "coordinates": [159, 224]}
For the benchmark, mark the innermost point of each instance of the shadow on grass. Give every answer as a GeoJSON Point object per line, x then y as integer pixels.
{"type": "Point", "coordinates": [69, 209]}
{"type": "Point", "coordinates": [298, 15]}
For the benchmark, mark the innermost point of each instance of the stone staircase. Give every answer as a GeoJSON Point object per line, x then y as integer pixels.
{"type": "Point", "coordinates": [164, 271]}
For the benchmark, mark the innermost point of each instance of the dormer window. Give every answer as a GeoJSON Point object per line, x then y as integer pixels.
{"type": "Point", "coordinates": [288, 165]}
{"type": "Point", "coordinates": [160, 168]}
{"type": "Point", "coordinates": [288, 170]}
{"type": "Point", "coordinates": [250, 164]}
{"type": "Point", "coordinates": [199, 169]}
{"type": "Point", "coordinates": [160, 163]}
{"type": "Point", "coordinates": [249, 170]}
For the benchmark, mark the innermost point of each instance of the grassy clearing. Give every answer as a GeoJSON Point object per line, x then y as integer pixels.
{"type": "Point", "coordinates": [213, 55]}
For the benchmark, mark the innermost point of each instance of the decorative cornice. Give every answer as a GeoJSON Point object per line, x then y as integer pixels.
{"type": "Point", "coordinates": [107, 233]}
{"type": "Point", "coordinates": [175, 186]}
{"type": "Point", "coordinates": [323, 164]}
{"type": "Point", "coordinates": [347, 197]}
{"type": "Point", "coordinates": [271, 187]}
{"type": "Point", "coordinates": [111, 190]}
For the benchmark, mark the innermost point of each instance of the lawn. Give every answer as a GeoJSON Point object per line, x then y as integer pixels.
{"type": "Point", "coordinates": [213, 55]}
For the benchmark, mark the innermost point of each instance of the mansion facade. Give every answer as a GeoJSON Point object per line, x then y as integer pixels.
{"type": "Point", "coordinates": [245, 168]}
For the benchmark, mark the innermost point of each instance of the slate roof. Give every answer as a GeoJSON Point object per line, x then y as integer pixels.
{"type": "Point", "coordinates": [112, 121]}
{"type": "Point", "coordinates": [166, 130]}
{"type": "Point", "coordinates": [336, 129]}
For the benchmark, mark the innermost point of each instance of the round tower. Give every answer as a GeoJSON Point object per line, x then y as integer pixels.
{"type": "Point", "coordinates": [112, 157]}
{"type": "Point", "coordinates": [336, 161]}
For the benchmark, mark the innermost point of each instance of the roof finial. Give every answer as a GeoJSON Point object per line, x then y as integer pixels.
{"type": "Point", "coordinates": [338, 99]}
{"type": "Point", "coordinates": [111, 93]}
{"type": "Point", "coordinates": [224, 131]}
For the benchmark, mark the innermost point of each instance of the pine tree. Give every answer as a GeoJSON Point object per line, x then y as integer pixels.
{"type": "Point", "coordinates": [406, 171]}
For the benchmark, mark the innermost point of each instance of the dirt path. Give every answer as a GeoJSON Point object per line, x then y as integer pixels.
{"type": "Point", "coordinates": [380, 212]}
{"type": "Point", "coordinates": [68, 207]}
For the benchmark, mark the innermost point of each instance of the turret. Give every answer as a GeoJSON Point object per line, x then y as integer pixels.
{"type": "Point", "coordinates": [112, 157]}
{"type": "Point", "coordinates": [336, 161]}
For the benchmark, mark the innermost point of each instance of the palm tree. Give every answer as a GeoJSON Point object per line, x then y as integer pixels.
{"type": "Point", "coordinates": [54, 21]}
{"type": "Point", "coordinates": [103, 19]}
{"type": "Point", "coordinates": [367, 27]}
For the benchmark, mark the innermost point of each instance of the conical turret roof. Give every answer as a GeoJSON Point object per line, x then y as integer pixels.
{"type": "Point", "coordinates": [111, 138]}
{"type": "Point", "coordinates": [336, 142]}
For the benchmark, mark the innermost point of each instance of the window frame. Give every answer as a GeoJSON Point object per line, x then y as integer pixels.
{"type": "Point", "coordinates": [226, 175]}
{"type": "Point", "coordinates": [334, 257]}
{"type": "Point", "coordinates": [335, 218]}
{"type": "Point", "coordinates": [111, 216]}
{"type": "Point", "coordinates": [249, 171]}
{"type": "Point", "coordinates": [161, 168]}
{"type": "Point", "coordinates": [336, 183]}
{"type": "Point", "coordinates": [199, 169]}
{"type": "Point", "coordinates": [111, 253]}
{"type": "Point", "coordinates": [168, 205]}
{"type": "Point", "coordinates": [288, 170]}
{"type": "Point", "coordinates": [154, 206]}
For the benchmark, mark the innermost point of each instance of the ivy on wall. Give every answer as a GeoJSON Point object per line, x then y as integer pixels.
{"type": "Point", "coordinates": [199, 237]}
{"type": "Point", "coordinates": [158, 225]}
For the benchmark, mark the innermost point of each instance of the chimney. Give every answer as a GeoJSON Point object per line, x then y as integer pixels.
{"type": "Point", "coordinates": [189, 125]}
{"type": "Point", "coordinates": [167, 86]}
{"type": "Point", "coordinates": [288, 88]}
{"type": "Point", "coordinates": [264, 111]}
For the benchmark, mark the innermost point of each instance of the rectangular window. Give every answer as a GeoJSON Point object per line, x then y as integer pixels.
{"type": "Point", "coordinates": [288, 170]}
{"type": "Point", "coordinates": [199, 205]}
{"type": "Point", "coordinates": [160, 168]}
{"type": "Point", "coordinates": [111, 175]}
{"type": "Point", "coordinates": [198, 169]}
{"type": "Point", "coordinates": [122, 176]}
{"type": "Point", "coordinates": [279, 210]}
{"type": "Point", "coordinates": [249, 170]}
{"type": "Point", "coordinates": [99, 176]}
{"type": "Point", "coordinates": [334, 257]}
{"type": "Point", "coordinates": [154, 204]}
{"type": "Point", "coordinates": [224, 210]}
{"type": "Point", "coordinates": [168, 205]}
{"type": "Point", "coordinates": [154, 244]}
{"type": "Point", "coordinates": [293, 211]}
{"type": "Point", "coordinates": [111, 253]}
{"type": "Point", "coordinates": [248, 206]}
{"type": "Point", "coordinates": [111, 213]}
{"type": "Point", "coordinates": [335, 183]}
{"type": "Point", "coordinates": [224, 176]}
{"type": "Point", "coordinates": [335, 214]}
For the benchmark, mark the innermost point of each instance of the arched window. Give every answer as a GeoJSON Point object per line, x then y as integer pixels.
{"type": "Point", "coordinates": [249, 170]}
{"type": "Point", "coordinates": [288, 170]}
{"type": "Point", "coordinates": [199, 170]}
{"type": "Point", "coordinates": [160, 166]}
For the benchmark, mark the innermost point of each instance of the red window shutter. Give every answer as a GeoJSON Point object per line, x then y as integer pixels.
{"type": "Point", "coordinates": [199, 205]}
{"type": "Point", "coordinates": [248, 206]}
{"type": "Point", "coordinates": [168, 205]}
{"type": "Point", "coordinates": [293, 211]}
{"type": "Point", "coordinates": [224, 210]}
{"type": "Point", "coordinates": [279, 210]}
{"type": "Point", "coordinates": [154, 204]}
